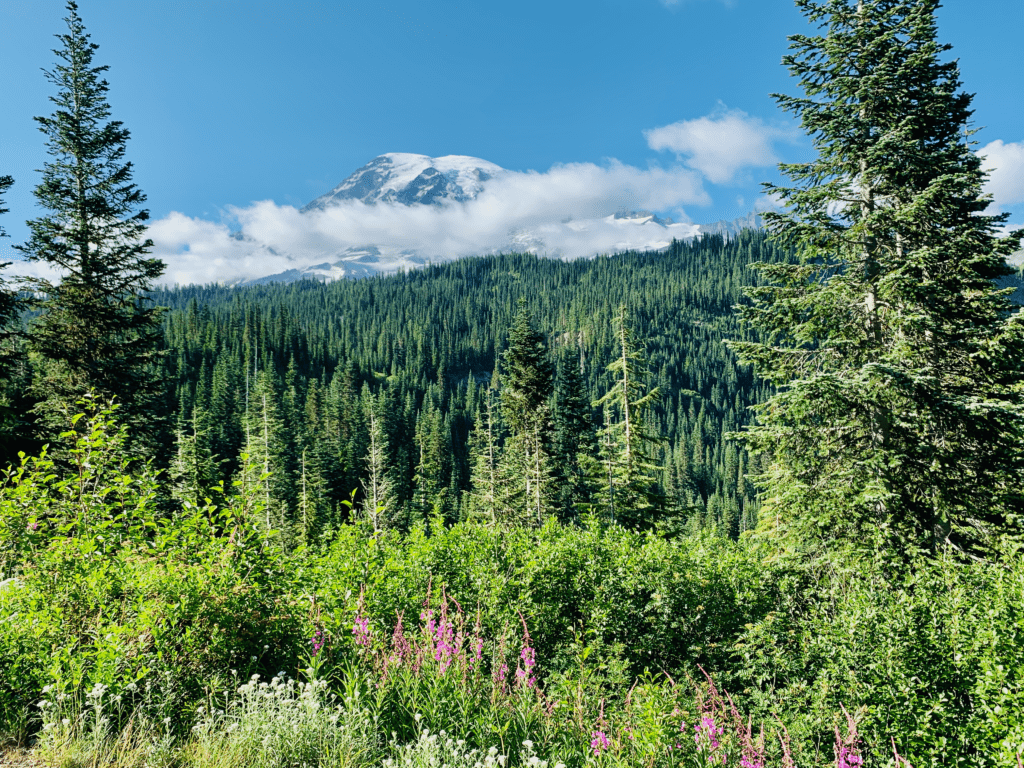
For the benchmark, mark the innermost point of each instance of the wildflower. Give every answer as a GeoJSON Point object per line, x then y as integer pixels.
{"type": "Point", "coordinates": [361, 630]}
{"type": "Point", "coordinates": [317, 641]}
{"type": "Point", "coordinates": [600, 742]}
{"type": "Point", "coordinates": [849, 757]}
{"type": "Point", "coordinates": [707, 733]}
{"type": "Point", "coordinates": [33, 526]}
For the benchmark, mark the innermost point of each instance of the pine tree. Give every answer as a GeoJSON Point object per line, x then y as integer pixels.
{"type": "Point", "coordinates": [630, 472]}
{"type": "Point", "coordinates": [97, 330]}
{"type": "Point", "coordinates": [898, 423]}
{"type": "Point", "coordinates": [379, 503]}
{"type": "Point", "coordinates": [574, 441]}
{"type": "Point", "coordinates": [526, 387]}
{"type": "Point", "coordinates": [9, 303]}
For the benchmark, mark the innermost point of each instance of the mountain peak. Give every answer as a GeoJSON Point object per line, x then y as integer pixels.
{"type": "Point", "coordinates": [409, 179]}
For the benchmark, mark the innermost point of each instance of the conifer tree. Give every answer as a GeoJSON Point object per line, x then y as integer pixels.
{"type": "Point", "coordinates": [485, 460]}
{"type": "Point", "coordinates": [575, 443]}
{"type": "Point", "coordinates": [97, 330]}
{"type": "Point", "coordinates": [632, 487]}
{"type": "Point", "coordinates": [898, 423]}
{"type": "Point", "coordinates": [13, 426]}
{"type": "Point", "coordinates": [526, 387]}
{"type": "Point", "coordinates": [193, 470]}
{"type": "Point", "coordinates": [379, 503]}
{"type": "Point", "coordinates": [8, 297]}
{"type": "Point", "coordinates": [271, 466]}
{"type": "Point", "coordinates": [6, 182]}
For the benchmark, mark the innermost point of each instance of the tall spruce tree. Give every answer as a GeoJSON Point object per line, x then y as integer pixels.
{"type": "Point", "coordinates": [630, 475]}
{"type": "Point", "coordinates": [898, 422]}
{"type": "Point", "coordinates": [6, 182]}
{"type": "Point", "coordinates": [97, 330]}
{"type": "Point", "coordinates": [14, 427]}
{"type": "Point", "coordinates": [526, 388]}
{"type": "Point", "coordinates": [575, 444]}
{"type": "Point", "coordinates": [8, 297]}
{"type": "Point", "coordinates": [485, 457]}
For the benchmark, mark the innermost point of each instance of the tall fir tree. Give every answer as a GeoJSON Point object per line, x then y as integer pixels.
{"type": "Point", "coordinates": [485, 456]}
{"type": "Point", "coordinates": [527, 380]}
{"type": "Point", "coordinates": [380, 506]}
{"type": "Point", "coordinates": [14, 427]}
{"type": "Point", "coordinates": [9, 303]}
{"type": "Point", "coordinates": [629, 474]}
{"type": "Point", "coordinates": [6, 182]}
{"type": "Point", "coordinates": [97, 329]}
{"type": "Point", "coordinates": [575, 443]}
{"type": "Point", "coordinates": [898, 422]}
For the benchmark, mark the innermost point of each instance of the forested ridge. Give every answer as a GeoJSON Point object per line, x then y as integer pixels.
{"type": "Point", "coordinates": [428, 343]}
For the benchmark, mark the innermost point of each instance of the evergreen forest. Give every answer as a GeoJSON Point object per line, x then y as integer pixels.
{"type": "Point", "coordinates": [751, 501]}
{"type": "Point", "coordinates": [295, 375]}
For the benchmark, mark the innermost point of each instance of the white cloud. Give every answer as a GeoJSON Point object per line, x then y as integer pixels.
{"type": "Point", "coordinates": [720, 144]}
{"type": "Point", "coordinates": [772, 202]}
{"type": "Point", "coordinates": [565, 208]}
{"type": "Point", "coordinates": [1005, 166]}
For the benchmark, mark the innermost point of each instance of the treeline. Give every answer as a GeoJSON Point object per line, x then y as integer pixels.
{"type": "Point", "coordinates": [396, 397]}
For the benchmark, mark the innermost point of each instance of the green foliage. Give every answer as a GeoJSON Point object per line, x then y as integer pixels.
{"type": "Point", "coordinates": [935, 663]}
{"type": "Point", "coordinates": [101, 587]}
{"type": "Point", "coordinates": [898, 424]}
{"type": "Point", "coordinates": [96, 330]}
{"type": "Point", "coordinates": [432, 341]}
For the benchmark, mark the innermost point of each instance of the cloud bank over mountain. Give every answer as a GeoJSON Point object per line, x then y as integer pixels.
{"type": "Point", "coordinates": [402, 210]}
{"type": "Point", "coordinates": [564, 212]}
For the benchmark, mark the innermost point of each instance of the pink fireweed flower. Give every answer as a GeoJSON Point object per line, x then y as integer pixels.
{"type": "Point", "coordinates": [361, 631]}
{"type": "Point", "coordinates": [499, 677]}
{"type": "Point", "coordinates": [849, 757]}
{"type": "Point", "coordinates": [399, 644]}
{"type": "Point", "coordinates": [707, 734]}
{"type": "Point", "coordinates": [528, 659]}
{"type": "Point", "coordinates": [600, 742]}
{"type": "Point", "coordinates": [848, 747]}
{"type": "Point", "coordinates": [317, 641]}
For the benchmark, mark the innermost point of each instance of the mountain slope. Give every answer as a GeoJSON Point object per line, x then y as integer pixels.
{"type": "Point", "coordinates": [408, 179]}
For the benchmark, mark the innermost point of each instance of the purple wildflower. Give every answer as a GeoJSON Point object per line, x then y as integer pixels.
{"type": "Point", "coordinates": [527, 660]}
{"type": "Point", "coordinates": [848, 747]}
{"type": "Point", "coordinates": [600, 742]}
{"type": "Point", "coordinates": [361, 630]}
{"type": "Point", "coordinates": [317, 641]}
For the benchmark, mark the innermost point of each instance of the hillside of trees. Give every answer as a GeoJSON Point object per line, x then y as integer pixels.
{"type": "Point", "coordinates": [295, 374]}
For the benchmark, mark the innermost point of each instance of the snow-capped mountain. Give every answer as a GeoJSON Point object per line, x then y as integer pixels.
{"type": "Point", "coordinates": [729, 229]}
{"type": "Point", "coordinates": [408, 179]}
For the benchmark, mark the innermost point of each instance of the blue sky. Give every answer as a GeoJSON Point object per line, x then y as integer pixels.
{"type": "Point", "coordinates": [234, 102]}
